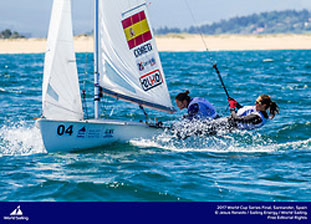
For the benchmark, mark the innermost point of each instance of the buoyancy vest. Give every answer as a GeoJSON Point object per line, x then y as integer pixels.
{"type": "Point", "coordinates": [206, 109]}
{"type": "Point", "coordinates": [247, 110]}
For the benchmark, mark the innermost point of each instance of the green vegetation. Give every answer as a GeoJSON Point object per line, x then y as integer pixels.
{"type": "Point", "coordinates": [8, 34]}
{"type": "Point", "coordinates": [288, 21]}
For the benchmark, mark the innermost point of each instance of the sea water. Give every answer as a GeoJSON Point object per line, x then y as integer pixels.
{"type": "Point", "coordinates": [270, 164]}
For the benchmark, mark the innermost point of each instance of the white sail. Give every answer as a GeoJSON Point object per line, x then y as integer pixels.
{"type": "Point", "coordinates": [60, 91]}
{"type": "Point", "coordinates": [129, 63]}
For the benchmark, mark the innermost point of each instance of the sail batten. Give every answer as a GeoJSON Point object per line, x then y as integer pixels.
{"type": "Point", "coordinates": [129, 63]}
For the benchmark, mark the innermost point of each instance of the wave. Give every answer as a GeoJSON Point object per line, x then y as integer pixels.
{"type": "Point", "coordinates": [268, 60]}
{"type": "Point", "coordinates": [20, 139]}
{"type": "Point", "coordinates": [10, 91]}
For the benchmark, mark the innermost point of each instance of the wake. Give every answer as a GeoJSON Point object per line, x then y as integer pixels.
{"type": "Point", "coordinates": [20, 139]}
{"type": "Point", "coordinates": [223, 141]}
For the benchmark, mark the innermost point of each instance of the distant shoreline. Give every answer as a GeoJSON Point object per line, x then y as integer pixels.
{"type": "Point", "coordinates": [178, 42]}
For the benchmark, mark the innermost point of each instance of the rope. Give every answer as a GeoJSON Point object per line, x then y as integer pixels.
{"type": "Point", "coordinates": [145, 113]}
{"type": "Point", "coordinates": [195, 23]}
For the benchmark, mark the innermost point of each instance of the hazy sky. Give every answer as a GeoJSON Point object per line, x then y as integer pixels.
{"type": "Point", "coordinates": [32, 16]}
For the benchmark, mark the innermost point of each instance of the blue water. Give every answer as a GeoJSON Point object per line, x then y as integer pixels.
{"type": "Point", "coordinates": [271, 164]}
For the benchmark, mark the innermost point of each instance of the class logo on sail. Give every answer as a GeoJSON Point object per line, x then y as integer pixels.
{"type": "Point", "coordinates": [136, 29]}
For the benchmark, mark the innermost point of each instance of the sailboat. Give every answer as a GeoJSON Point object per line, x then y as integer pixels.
{"type": "Point", "coordinates": [127, 66]}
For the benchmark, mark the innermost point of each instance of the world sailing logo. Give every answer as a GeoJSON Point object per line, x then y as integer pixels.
{"type": "Point", "coordinates": [17, 211]}
{"type": "Point", "coordinates": [16, 214]}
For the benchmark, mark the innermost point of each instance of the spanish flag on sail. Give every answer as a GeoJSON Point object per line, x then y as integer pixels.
{"type": "Point", "coordinates": [136, 29]}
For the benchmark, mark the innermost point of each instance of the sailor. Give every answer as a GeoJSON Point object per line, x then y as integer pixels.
{"type": "Point", "coordinates": [198, 107]}
{"type": "Point", "coordinates": [252, 117]}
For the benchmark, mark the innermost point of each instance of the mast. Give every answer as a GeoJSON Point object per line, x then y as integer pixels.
{"type": "Point", "coordinates": [96, 61]}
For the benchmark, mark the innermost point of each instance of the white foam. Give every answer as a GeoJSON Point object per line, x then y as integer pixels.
{"type": "Point", "coordinates": [10, 91]}
{"type": "Point", "coordinates": [20, 139]}
{"type": "Point", "coordinates": [244, 142]}
{"type": "Point", "coordinates": [268, 60]}
{"type": "Point", "coordinates": [301, 145]}
{"type": "Point", "coordinates": [230, 148]}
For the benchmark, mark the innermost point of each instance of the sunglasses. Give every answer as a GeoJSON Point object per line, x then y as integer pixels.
{"type": "Point", "coordinates": [258, 102]}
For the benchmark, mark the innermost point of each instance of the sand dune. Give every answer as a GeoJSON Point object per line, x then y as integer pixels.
{"type": "Point", "coordinates": [177, 42]}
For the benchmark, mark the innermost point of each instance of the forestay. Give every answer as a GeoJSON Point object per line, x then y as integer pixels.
{"type": "Point", "coordinates": [129, 63]}
{"type": "Point", "coordinates": [61, 92]}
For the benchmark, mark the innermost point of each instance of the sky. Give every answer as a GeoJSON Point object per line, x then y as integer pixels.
{"type": "Point", "coordinates": [31, 17]}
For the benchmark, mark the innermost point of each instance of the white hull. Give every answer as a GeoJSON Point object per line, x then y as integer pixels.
{"type": "Point", "coordinates": [66, 136]}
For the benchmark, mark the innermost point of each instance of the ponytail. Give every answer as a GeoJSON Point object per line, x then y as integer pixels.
{"type": "Point", "coordinates": [183, 96]}
{"type": "Point", "coordinates": [274, 108]}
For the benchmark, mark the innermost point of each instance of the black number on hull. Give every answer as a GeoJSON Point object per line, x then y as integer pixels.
{"type": "Point", "coordinates": [69, 130]}
{"type": "Point", "coordinates": [61, 129]}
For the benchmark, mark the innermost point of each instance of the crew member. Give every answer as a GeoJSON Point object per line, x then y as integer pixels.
{"type": "Point", "coordinates": [252, 117]}
{"type": "Point", "coordinates": [198, 108]}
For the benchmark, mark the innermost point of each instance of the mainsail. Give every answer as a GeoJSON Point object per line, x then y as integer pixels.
{"type": "Point", "coordinates": [60, 91]}
{"type": "Point", "coordinates": [129, 63]}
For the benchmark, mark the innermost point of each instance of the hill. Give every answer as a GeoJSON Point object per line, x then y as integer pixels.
{"type": "Point", "coordinates": [8, 34]}
{"type": "Point", "coordinates": [287, 21]}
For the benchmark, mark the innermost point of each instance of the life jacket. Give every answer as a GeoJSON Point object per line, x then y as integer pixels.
{"type": "Point", "coordinates": [206, 109]}
{"type": "Point", "coordinates": [247, 110]}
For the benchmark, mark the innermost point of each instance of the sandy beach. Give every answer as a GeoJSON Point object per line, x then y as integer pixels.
{"type": "Point", "coordinates": [177, 42]}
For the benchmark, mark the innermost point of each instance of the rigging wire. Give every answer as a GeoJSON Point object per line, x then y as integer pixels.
{"type": "Point", "coordinates": [195, 23]}
{"type": "Point", "coordinates": [84, 88]}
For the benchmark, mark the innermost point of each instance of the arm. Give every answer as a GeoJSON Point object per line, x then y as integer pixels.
{"type": "Point", "coordinates": [238, 106]}
{"type": "Point", "coordinates": [249, 119]}
{"type": "Point", "coordinates": [192, 111]}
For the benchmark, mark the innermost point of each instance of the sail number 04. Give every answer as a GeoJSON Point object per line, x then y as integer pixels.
{"type": "Point", "coordinates": [61, 130]}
